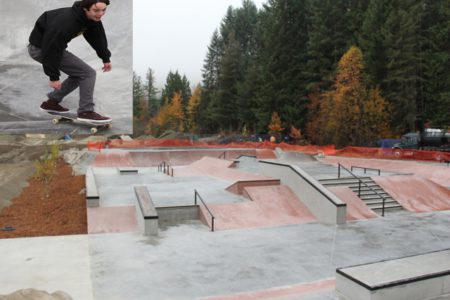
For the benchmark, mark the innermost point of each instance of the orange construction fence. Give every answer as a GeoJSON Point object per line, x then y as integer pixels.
{"type": "Point", "coordinates": [363, 152]}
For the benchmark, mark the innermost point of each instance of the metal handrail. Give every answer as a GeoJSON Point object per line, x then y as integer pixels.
{"type": "Point", "coordinates": [365, 169]}
{"type": "Point", "coordinates": [204, 204]}
{"type": "Point", "coordinates": [359, 185]}
{"type": "Point", "coordinates": [165, 168]}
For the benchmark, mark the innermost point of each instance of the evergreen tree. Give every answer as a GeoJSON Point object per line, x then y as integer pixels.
{"type": "Point", "coordinates": [403, 76]}
{"type": "Point", "coordinates": [176, 84]}
{"type": "Point", "coordinates": [435, 31]}
{"type": "Point", "coordinates": [224, 107]}
{"type": "Point", "coordinates": [210, 74]}
{"type": "Point", "coordinates": [371, 41]}
{"type": "Point", "coordinates": [283, 60]}
{"type": "Point", "coordinates": [151, 91]}
{"type": "Point", "coordinates": [138, 95]}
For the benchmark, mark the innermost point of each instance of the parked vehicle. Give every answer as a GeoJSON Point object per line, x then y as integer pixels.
{"type": "Point", "coordinates": [429, 139]}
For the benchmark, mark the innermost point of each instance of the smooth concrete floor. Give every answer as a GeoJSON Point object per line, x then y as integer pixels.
{"type": "Point", "coordinates": [188, 261]}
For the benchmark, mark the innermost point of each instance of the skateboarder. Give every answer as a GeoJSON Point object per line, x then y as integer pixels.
{"type": "Point", "coordinates": [53, 30]}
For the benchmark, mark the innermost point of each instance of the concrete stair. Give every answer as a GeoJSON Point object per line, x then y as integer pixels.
{"type": "Point", "coordinates": [370, 192]}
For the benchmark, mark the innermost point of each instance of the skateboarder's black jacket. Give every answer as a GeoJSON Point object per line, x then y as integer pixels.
{"type": "Point", "coordinates": [56, 28]}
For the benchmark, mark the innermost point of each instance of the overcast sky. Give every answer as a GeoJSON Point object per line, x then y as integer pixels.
{"type": "Point", "coordinates": [170, 35]}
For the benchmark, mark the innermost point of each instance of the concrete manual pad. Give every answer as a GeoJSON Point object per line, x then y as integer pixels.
{"type": "Point", "coordinates": [403, 269]}
{"type": "Point", "coordinates": [46, 263]}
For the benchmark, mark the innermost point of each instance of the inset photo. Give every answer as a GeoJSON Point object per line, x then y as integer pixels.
{"type": "Point", "coordinates": [66, 67]}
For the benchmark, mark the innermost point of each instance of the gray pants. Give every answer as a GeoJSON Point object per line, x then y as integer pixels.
{"type": "Point", "coordinates": [80, 75]}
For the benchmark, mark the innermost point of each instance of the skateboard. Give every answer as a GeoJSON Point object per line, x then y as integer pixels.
{"type": "Point", "coordinates": [72, 118]}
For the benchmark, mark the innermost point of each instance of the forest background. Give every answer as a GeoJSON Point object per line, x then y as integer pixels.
{"type": "Point", "coordinates": [343, 72]}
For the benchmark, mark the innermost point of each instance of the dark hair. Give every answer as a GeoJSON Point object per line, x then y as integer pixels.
{"type": "Point", "coordinates": [88, 3]}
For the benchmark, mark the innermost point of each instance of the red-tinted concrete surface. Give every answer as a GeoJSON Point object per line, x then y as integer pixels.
{"type": "Point", "coordinates": [112, 160]}
{"type": "Point", "coordinates": [271, 206]}
{"type": "Point", "coordinates": [265, 153]}
{"type": "Point", "coordinates": [218, 168]}
{"type": "Point", "coordinates": [435, 172]}
{"type": "Point", "coordinates": [416, 194]}
{"type": "Point", "coordinates": [356, 208]}
{"type": "Point", "coordinates": [112, 219]}
{"type": "Point", "coordinates": [285, 292]}
{"type": "Point", "coordinates": [238, 187]}
{"type": "Point", "coordinates": [173, 158]}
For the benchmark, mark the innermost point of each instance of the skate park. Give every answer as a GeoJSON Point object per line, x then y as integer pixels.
{"type": "Point", "coordinates": [268, 241]}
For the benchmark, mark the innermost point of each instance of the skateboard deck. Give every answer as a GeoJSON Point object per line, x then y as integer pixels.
{"type": "Point", "coordinates": [72, 118]}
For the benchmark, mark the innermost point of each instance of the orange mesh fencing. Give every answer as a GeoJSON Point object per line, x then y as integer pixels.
{"type": "Point", "coordinates": [363, 152]}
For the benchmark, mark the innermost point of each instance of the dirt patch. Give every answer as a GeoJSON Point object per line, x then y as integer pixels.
{"type": "Point", "coordinates": [63, 212]}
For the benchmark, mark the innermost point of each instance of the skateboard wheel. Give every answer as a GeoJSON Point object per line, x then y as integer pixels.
{"type": "Point", "coordinates": [108, 126]}
{"type": "Point", "coordinates": [55, 121]}
{"type": "Point", "coordinates": [94, 130]}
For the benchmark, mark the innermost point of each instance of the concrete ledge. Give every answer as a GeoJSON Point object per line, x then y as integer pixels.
{"type": "Point", "coordinates": [325, 206]}
{"type": "Point", "coordinates": [92, 196]}
{"type": "Point", "coordinates": [425, 276]}
{"type": "Point", "coordinates": [146, 214]}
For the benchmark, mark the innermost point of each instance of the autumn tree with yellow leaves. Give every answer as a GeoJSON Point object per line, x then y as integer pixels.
{"type": "Point", "coordinates": [274, 126]}
{"type": "Point", "coordinates": [171, 114]}
{"type": "Point", "coordinates": [192, 109]}
{"type": "Point", "coordinates": [351, 113]}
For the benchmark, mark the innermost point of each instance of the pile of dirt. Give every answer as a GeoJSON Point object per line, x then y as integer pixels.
{"type": "Point", "coordinates": [35, 212]}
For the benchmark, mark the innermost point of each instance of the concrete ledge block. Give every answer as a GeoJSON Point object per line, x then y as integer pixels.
{"type": "Point", "coordinates": [146, 213]}
{"type": "Point", "coordinates": [92, 196]}
{"type": "Point", "coordinates": [425, 276]}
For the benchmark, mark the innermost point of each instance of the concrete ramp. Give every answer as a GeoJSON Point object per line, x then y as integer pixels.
{"type": "Point", "coordinates": [265, 154]}
{"type": "Point", "coordinates": [269, 206]}
{"type": "Point", "coordinates": [293, 157]}
{"type": "Point", "coordinates": [116, 159]}
{"type": "Point", "coordinates": [415, 193]}
{"type": "Point", "coordinates": [356, 208]}
{"type": "Point", "coordinates": [219, 168]}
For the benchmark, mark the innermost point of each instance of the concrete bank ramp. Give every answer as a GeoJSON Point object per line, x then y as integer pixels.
{"type": "Point", "coordinates": [356, 208]}
{"type": "Point", "coordinates": [152, 158]}
{"type": "Point", "coordinates": [265, 154]}
{"type": "Point", "coordinates": [415, 193]}
{"type": "Point", "coordinates": [267, 206]}
{"type": "Point", "coordinates": [219, 168]}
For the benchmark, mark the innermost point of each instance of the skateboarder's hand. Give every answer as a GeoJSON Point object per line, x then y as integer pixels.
{"type": "Point", "coordinates": [55, 84]}
{"type": "Point", "coordinates": [107, 67]}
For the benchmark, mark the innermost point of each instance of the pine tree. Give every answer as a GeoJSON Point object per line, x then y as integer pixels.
{"type": "Point", "coordinates": [282, 60]}
{"type": "Point", "coordinates": [151, 91]}
{"type": "Point", "coordinates": [210, 74]}
{"type": "Point", "coordinates": [225, 107]}
{"type": "Point", "coordinates": [403, 45]}
{"type": "Point", "coordinates": [435, 32]}
{"type": "Point", "coordinates": [371, 41]}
